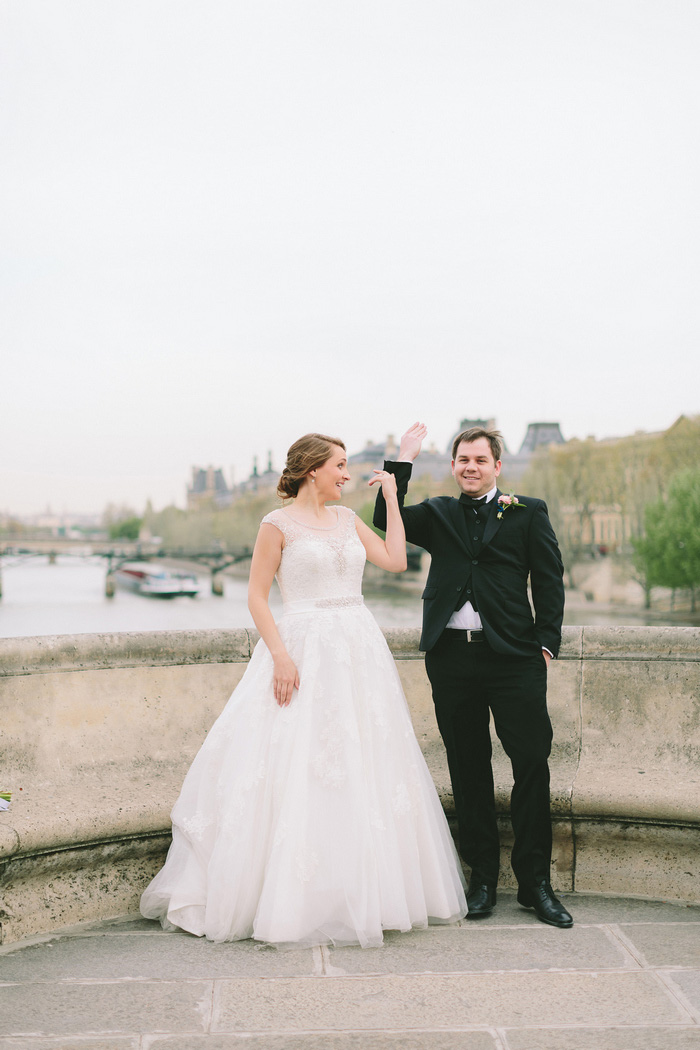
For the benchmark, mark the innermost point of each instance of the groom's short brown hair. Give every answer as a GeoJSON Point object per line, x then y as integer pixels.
{"type": "Point", "coordinates": [494, 438]}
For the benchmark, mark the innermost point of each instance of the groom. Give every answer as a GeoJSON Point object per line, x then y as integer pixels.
{"type": "Point", "coordinates": [485, 652]}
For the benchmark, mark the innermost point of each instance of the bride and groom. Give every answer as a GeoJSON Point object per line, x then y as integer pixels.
{"type": "Point", "coordinates": [309, 815]}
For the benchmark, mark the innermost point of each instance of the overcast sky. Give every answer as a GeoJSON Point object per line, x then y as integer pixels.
{"type": "Point", "coordinates": [227, 223]}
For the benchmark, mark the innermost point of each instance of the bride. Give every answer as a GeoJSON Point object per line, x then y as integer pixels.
{"type": "Point", "coordinates": [309, 815]}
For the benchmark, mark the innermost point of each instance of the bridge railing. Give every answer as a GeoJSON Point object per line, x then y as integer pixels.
{"type": "Point", "coordinates": [99, 730]}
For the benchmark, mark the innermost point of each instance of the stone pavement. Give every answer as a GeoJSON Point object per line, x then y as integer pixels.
{"type": "Point", "coordinates": [626, 977]}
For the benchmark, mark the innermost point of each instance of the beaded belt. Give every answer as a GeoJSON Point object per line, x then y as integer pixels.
{"type": "Point", "coordinates": [311, 604]}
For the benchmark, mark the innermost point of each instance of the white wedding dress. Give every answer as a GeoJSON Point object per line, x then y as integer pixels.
{"type": "Point", "coordinates": [318, 822]}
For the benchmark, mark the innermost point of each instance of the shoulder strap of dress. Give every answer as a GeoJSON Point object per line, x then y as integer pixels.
{"type": "Point", "coordinates": [278, 519]}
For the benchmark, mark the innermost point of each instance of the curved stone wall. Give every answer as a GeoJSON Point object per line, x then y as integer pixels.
{"type": "Point", "coordinates": [99, 730]}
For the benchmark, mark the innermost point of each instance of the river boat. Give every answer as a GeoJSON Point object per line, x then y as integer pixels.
{"type": "Point", "coordinates": [155, 581]}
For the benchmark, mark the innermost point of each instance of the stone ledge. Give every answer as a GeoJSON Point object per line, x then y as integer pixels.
{"type": "Point", "coordinates": [82, 652]}
{"type": "Point", "coordinates": [672, 644]}
{"type": "Point", "coordinates": [82, 882]}
{"type": "Point", "coordinates": [99, 730]}
{"type": "Point", "coordinates": [55, 653]}
{"type": "Point", "coordinates": [48, 824]}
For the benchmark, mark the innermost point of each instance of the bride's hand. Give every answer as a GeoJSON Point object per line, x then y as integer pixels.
{"type": "Point", "coordinates": [386, 480]}
{"type": "Point", "coordinates": [285, 679]}
{"type": "Point", "coordinates": [411, 441]}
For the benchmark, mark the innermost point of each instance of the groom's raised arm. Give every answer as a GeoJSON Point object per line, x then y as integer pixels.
{"type": "Point", "coordinates": [417, 519]}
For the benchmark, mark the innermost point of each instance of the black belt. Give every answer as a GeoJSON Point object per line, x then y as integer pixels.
{"type": "Point", "coordinates": [467, 636]}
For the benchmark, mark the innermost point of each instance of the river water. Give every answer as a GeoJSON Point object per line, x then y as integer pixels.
{"type": "Point", "coordinates": [68, 598]}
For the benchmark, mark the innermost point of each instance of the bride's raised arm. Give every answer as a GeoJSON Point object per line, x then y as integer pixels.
{"type": "Point", "coordinates": [389, 553]}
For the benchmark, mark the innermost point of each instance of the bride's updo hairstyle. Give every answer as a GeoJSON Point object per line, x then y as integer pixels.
{"type": "Point", "coordinates": [308, 453]}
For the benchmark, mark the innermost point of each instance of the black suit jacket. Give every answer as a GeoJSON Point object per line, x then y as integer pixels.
{"type": "Point", "coordinates": [519, 544]}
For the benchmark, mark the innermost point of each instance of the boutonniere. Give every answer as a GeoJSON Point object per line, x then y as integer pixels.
{"type": "Point", "coordinates": [506, 501]}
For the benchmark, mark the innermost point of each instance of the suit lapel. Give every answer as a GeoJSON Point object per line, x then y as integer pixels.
{"type": "Point", "coordinates": [456, 521]}
{"type": "Point", "coordinates": [494, 522]}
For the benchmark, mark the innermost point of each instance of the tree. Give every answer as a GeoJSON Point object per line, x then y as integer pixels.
{"type": "Point", "coordinates": [648, 556]}
{"type": "Point", "coordinates": [626, 474]}
{"type": "Point", "coordinates": [669, 553]}
{"type": "Point", "coordinates": [12, 527]}
{"type": "Point", "coordinates": [577, 480]}
{"type": "Point", "coordinates": [126, 529]}
{"type": "Point", "coordinates": [121, 522]}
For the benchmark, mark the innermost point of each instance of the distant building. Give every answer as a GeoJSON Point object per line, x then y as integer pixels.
{"type": "Point", "coordinates": [67, 524]}
{"type": "Point", "coordinates": [469, 424]}
{"type": "Point", "coordinates": [208, 487]}
{"type": "Point", "coordinates": [438, 464]}
{"type": "Point", "coordinates": [539, 435]}
{"type": "Point", "coordinates": [257, 482]}
{"type": "Point", "coordinates": [361, 465]}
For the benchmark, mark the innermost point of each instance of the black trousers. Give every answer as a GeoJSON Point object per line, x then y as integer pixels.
{"type": "Point", "coordinates": [469, 680]}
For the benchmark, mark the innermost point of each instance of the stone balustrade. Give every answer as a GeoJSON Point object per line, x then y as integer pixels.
{"type": "Point", "coordinates": [99, 730]}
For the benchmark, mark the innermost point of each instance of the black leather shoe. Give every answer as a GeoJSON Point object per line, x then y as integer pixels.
{"type": "Point", "coordinates": [481, 900]}
{"type": "Point", "coordinates": [548, 908]}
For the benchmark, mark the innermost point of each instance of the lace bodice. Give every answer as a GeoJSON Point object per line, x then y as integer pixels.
{"type": "Point", "coordinates": [319, 563]}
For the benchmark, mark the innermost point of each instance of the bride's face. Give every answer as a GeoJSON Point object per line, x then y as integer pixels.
{"type": "Point", "coordinates": [331, 477]}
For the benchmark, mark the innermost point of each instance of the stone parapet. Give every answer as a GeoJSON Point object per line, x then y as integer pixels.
{"type": "Point", "coordinates": [98, 652]}
{"type": "Point", "coordinates": [99, 730]}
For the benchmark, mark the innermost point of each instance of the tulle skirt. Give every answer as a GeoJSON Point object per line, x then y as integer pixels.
{"type": "Point", "coordinates": [318, 822]}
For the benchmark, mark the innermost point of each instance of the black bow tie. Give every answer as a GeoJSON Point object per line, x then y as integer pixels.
{"type": "Point", "coordinates": [469, 501]}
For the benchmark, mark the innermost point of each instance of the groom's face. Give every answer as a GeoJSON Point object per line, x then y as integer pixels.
{"type": "Point", "coordinates": [474, 468]}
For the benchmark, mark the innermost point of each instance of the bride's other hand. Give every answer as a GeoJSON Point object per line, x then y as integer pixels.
{"type": "Point", "coordinates": [285, 679]}
{"type": "Point", "coordinates": [265, 563]}
{"type": "Point", "coordinates": [411, 442]}
{"type": "Point", "coordinates": [386, 480]}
